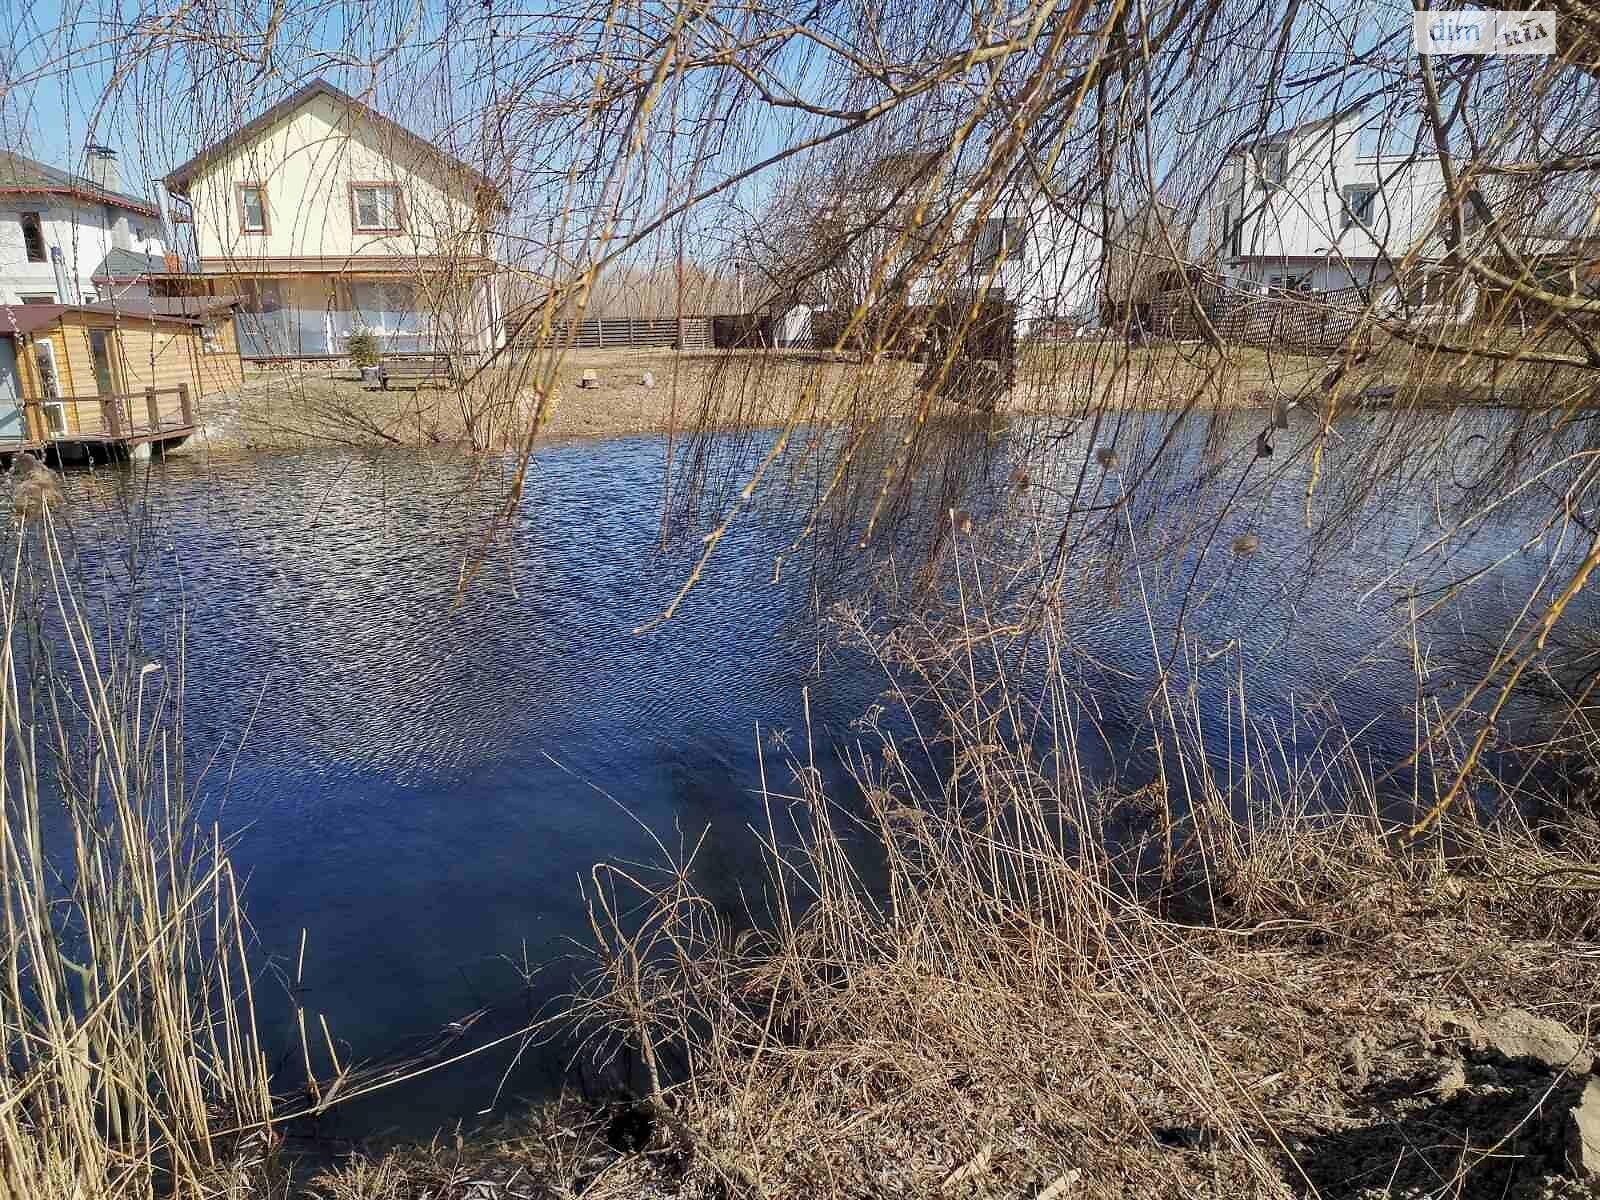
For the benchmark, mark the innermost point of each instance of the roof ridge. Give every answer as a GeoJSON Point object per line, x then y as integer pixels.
{"type": "Point", "coordinates": [178, 179]}
{"type": "Point", "coordinates": [52, 178]}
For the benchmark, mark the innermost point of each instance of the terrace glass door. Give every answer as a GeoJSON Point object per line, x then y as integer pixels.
{"type": "Point", "coordinates": [13, 421]}
{"type": "Point", "coordinates": [55, 412]}
{"type": "Point", "coordinates": [100, 352]}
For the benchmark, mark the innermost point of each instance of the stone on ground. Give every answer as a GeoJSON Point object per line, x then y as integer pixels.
{"type": "Point", "coordinates": [1515, 1035]}
{"type": "Point", "coordinates": [1583, 1133]}
{"type": "Point", "coordinates": [648, 379]}
{"type": "Point", "coordinates": [589, 380]}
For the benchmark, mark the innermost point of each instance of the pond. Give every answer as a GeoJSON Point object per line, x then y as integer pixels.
{"type": "Point", "coordinates": [419, 775]}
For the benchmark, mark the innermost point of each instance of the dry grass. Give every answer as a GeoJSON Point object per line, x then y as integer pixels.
{"type": "Point", "coordinates": [1074, 377]}
{"type": "Point", "coordinates": [291, 409]}
{"type": "Point", "coordinates": [299, 408]}
{"type": "Point", "coordinates": [133, 1066]}
{"type": "Point", "coordinates": [1017, 985]}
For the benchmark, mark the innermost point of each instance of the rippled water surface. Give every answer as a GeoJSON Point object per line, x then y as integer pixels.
{"type": "Point", "coordinates": [421, 776]}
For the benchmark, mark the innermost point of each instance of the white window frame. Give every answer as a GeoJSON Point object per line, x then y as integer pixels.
{"type": "Point", "coordinates": [396, 211]}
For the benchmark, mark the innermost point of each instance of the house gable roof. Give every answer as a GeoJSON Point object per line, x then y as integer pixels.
{"type": "Point", "coordinates": [126, 264]}
{"type": "Point", "coordinates": [178, 180]}
{"type": "Point", "coordinates": [20, 175]}
{"type": "Point", "coordinates": [1287, 134]}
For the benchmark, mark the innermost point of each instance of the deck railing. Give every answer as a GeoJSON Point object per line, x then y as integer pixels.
{"type": "Point", "coordinates": [121, 416]}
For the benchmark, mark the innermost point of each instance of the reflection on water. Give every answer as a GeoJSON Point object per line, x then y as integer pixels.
{"type": "Point", "coordinates": [422, 778]}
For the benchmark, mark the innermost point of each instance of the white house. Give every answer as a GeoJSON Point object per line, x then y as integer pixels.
{"type": "Point", "coordinates": [899, 229]}
{"type": "Point", "coordinates": [1045, 257]}
{"type": "Point", "coordinates": [1320, 207]}
{"type": "Point", "coordinates": [329, 218]}
{"type": "Point", "coordinates": [57, 230]}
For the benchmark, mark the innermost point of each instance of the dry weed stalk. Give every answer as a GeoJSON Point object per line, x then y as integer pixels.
{"type": "Point", "coordinates": [133, 1066]}
{"type": "Point", "coordinates": [1013, 977]}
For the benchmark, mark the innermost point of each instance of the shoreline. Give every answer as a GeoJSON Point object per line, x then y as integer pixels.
{"type": "Point", "coordinates": [284, 409]}
{"type": "Point", "coordinates": [1294, 1035]}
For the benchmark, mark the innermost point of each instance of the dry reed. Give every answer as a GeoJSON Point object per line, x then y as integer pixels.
{"type": "Point", "coordinates": [1013, 982]}
{"type": "Point", "coordinates": [133, 1066]}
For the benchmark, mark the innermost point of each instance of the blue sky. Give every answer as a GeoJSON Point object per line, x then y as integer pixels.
{"type": "Point", "coordinates": [60, 55]}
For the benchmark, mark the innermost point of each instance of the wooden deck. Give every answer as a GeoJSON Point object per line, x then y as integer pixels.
{"type": "Point", "coordinates": [106, 425]}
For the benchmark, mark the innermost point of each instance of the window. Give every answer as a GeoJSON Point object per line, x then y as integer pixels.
{"type": "Point", "coordinates": [1432, 287]}
{"type": "Point", "coordinates": [1290, 282]}
{"type": "Point", "coordinates": [33, 237]}
{"type": "Point", "coordinates": [1273, 162]}
{"type": "Point", "coordinates": [999, 241]}
{"type": "Point", "coordinates": [1232, 229]}
{"type": "Point", "coordinates": [1359, 202]}
{"type": "Point", "coordinates": [376, 207]}
{"type": "Point", "coordinates": [262, 295]}
{"type": "Point", "coordinates": [389, 306]}
{"type": "Point", "coordinates": [38, 298]}
{"type": "Point", "coordinates": [211, 338]}
{"type": "Point", "coordinates": [252, 208]}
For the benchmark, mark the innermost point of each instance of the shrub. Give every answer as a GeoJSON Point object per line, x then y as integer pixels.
{"type": "Point", "coordinates": [363, 347]}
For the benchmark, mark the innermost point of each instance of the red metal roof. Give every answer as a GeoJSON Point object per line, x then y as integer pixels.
{"type": "Point", "coordinates": [27, 318]}
{"type": "Point", "coordinates": [30, 318]}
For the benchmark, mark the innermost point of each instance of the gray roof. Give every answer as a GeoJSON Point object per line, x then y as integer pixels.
{"type": "Point", "coordinates": [127, 264]}
{"type": "Point", "coordinates": [21, 174]}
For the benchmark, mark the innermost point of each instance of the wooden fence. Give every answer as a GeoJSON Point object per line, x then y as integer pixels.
{"type": "Point", "coordinates": [986, 330]}
{"type": "Point", "coordinates": [151, 415]}
{"type": "Point", "coordinates": [1302, 322]}
{"type": "Point", "coordinates": [633, 333]}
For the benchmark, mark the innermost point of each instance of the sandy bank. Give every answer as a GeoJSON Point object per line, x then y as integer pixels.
{"type": "Point", "coordinates": [653, 391]}
{"type": "Point", "coordinates": [635, 392]}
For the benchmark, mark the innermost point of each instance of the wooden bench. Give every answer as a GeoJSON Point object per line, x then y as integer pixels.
{"type": "Point", "coordinates": [421, 367]}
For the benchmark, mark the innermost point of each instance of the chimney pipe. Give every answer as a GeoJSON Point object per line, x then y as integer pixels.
{"type": "Point", "coordinates": [103, 169]}
{"type": "Point", "coordinates": [64, 285]}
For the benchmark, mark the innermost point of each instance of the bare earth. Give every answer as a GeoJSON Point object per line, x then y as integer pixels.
{"type": "Point", "coordinates": [298, 408]}
{"type": "Point", "coordinates": [287, 408]}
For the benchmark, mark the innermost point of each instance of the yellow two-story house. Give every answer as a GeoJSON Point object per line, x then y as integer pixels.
{"type": "Point", "coordinates": [326, 218]}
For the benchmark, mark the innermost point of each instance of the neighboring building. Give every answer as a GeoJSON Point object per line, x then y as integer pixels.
{"type": "Point", "coordinates": [1044, 258]}
{"type": "Point", "coordinates": [1319, 208]}
{"type": "Point", "coordinates": [106, 377]}
{"type": "Point", "coordinates": [125, 274]}
{"type": "Point", "coordinates": [327, 217]}
{"type": "Point", "coordinates": [57, 229]}
{"type": "Point", "coordinates": [1552, 228]}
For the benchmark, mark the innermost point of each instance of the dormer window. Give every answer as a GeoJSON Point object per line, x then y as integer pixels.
{"type": "Point", "coordinates": [376, 207]}
{"type": "Point", "coordinates": [1273, 162]}
{"type": "Point", "coordinates": [1359, 201]}
{"type": "Point", "coordinates": [252, 208]}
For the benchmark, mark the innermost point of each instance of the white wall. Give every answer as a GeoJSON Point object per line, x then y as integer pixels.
{"type": "Point", "coordinates": [1058, 274]}
{"type": "Point", "coordinates": [1304, 217]}
{"type": "Point", "coordinates": [84, 232]}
